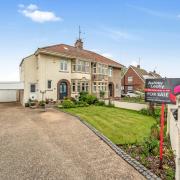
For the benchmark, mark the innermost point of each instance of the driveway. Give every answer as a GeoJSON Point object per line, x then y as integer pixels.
{"type": "Point", "coordinates": [54, 145]}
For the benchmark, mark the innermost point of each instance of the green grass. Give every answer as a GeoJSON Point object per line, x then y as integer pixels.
{"type": "Point", "coordinates": [121, 126]}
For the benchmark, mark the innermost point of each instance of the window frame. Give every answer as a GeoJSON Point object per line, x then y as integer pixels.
{"type": "Point", "coordinates": [64, 65]}
{"type": "Point", "coordinates": [48, 84]}
{"type": "Point", "coordinates": [34, 90]}
{"type": "Point", "coordinates": [130, 79]}
{"type": "Point", "coordinates": [110, 73]}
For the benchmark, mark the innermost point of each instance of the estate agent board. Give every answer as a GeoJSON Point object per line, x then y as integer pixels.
{"type": "Point", "coordinates": [162, 90]}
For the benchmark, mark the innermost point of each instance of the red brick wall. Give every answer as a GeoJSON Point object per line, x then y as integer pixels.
{"type": "Point", "coordinates": [137, 82]}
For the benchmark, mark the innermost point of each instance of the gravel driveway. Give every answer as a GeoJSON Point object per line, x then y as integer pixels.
{"type": "Point", "coordinates": [54, 145]}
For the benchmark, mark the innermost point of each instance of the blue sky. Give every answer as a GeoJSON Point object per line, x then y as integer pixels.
{"type": "Point", "coordinates": [124, 30]}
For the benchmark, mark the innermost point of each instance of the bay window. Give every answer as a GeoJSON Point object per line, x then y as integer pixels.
{"type": "Point", "coordinates": [81, 66]}
{"type": "Point", "coordinates": [79, 85]}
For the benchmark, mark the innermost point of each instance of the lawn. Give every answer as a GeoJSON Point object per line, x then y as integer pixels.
{"type": "Point", "coordinates": [121, 126]}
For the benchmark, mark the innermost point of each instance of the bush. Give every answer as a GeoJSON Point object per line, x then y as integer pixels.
{"type": "Point", "coordinates": [68, 104]}
{"type": "Point", "coordinates": [42, 103]}
{"type": "Point", "coordinates": [102, 93]}
{"type": "Point", "coordinates": [145, 111]}
{"type": "Point", "coordinates": [83, 96]}
{"type": "Point", "coordinates": [155, 131]}
{"type": "Point", "coordinates": [91, 99]}
{"type": "Point", "coordinates": [100, 103]}
{"type": "Point", "coordinates": [88, 98]}
{"type": "Point", "coordinates": [151, 146]}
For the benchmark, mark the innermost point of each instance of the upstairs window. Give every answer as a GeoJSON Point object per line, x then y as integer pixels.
{"type": "Point", "coordinates": [32, 88]}
{"type": "Point", "coordinates": [110, 71]}
{"type": "Point", "coordinates": [82, 66]}
{"type": "Point", "coordinates": [63, 65]}
{"type": "Point", "coordinates": [130, 79]}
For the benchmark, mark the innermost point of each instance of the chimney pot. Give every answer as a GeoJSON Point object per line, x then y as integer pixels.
{"type": "Point", "coordinates": [79, 44]}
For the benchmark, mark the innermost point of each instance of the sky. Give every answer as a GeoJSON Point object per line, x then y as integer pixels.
{"type": "Point", "coordinates": [126, 31]}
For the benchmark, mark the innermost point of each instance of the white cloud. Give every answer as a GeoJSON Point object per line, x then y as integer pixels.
{"type": "Point", "coordinates": [32, 11]}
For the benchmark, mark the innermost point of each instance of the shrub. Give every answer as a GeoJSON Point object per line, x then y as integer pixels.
{"type": "Point", "coordinates": [73, 99]}
{"type": "Point", "coordinates": [102, 93]}
{"type": "Point", "coordinates": [91, 99]}
{"type": "Point", "coordinates": [155, 131]}
{"type": "Point", "coordinates": [68, 104]}
{"type": "Point", "coordinates": [145, 111]}
{"type": "Point", "coordinates": [83, 96]}
{"type": "Point", "coordinates": [42, 103]}
{"type": "Point", "coordinates": [88, 98]}
{"type": "Point", "coordinates": [151, 146]}
{"type": "Point", "coordinates": [100, 103]}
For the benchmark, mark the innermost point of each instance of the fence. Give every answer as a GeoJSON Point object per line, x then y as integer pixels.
{"type": "Point", "coordinates": [127, 105]}
{"type": "Point", "coordinates": [173, 129]}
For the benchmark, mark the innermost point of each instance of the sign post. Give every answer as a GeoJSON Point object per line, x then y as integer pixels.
{"type": "Point", "coordinates": [162, 91]}
{"type": "Point", "coordinates": [161, 136]}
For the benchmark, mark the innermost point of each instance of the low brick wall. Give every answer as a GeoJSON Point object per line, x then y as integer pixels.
{"type": "Point", "coordinates": [127, 105]}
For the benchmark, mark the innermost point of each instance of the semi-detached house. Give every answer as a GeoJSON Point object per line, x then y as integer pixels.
{"type": "Point", "coordinates": [60, 71]}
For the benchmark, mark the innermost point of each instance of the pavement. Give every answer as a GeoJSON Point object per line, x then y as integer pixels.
{"type": "Point", "coordinates": [52, 145]}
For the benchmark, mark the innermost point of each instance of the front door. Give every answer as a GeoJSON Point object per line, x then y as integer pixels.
{"type": "Point", "coordinates": [63, 90]}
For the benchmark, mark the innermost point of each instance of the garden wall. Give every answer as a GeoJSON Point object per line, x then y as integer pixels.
{"type": "Point", "coordinates": [127, 105]}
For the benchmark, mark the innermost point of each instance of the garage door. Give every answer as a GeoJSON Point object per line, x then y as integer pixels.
{"type": "Point", "coordinates": [7, 95]}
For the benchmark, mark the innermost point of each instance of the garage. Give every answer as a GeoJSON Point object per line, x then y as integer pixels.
{"type": "Point", "coordinates": [11, 91]}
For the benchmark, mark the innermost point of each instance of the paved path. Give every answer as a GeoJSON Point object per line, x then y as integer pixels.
{"type": "Point", "coordinates": [52, 145]}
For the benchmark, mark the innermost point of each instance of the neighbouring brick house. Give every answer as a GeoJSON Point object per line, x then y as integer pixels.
{"type": "Point", "coordinates": [59, 71]}
{"type": "Point", "coordinates": [134, 79]}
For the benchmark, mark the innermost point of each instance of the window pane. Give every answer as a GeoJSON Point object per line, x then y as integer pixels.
{"type": "Point", "coordinates": [49, 84]}
{"type": "Point", "coordinates": [65, 65]}
{"type": "Point", "coordinates": [83, 87]}
{"type": "Point", "coordinates": [87, 87]}
{"type": "Point", "coordinates": [73, 87]}
{"type": "Point", "coordinates": [79, 87]}
{"type": "Point", "coordinates": [33, 88]}
{"type": "Point", "coordinates": [130, 79]}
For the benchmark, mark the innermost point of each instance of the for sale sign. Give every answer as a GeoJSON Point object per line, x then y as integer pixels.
{"type": "Point", "coordinates": [162, 90]}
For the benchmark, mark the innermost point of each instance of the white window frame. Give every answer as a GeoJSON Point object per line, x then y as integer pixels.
{"type": "Point", "coordinates": [110, 71]}
{"type": "Point", "coordinates": [48, 84]}
{"type": "Point", "coordinates": [63, 65]}
{"type": "Point", "coordinates": [130, 88]}
{"type": "Point", "coordinates": [130, 79]}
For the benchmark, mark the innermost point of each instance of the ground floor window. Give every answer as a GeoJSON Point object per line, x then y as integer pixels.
{"type": "Point", "coordinates": [32, 88]}
{"type": "Point", "coordinates": [79, 85]}
{"type": "Point", "coordinates": [130, 88]}
{"type": "Point", "coordinates": [99, 86]}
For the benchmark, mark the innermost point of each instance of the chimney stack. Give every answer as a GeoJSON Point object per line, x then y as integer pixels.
{"type": "Point", "coordinates": [79, 44]}
{"type": "Point", "coordinates": [138, 66]}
